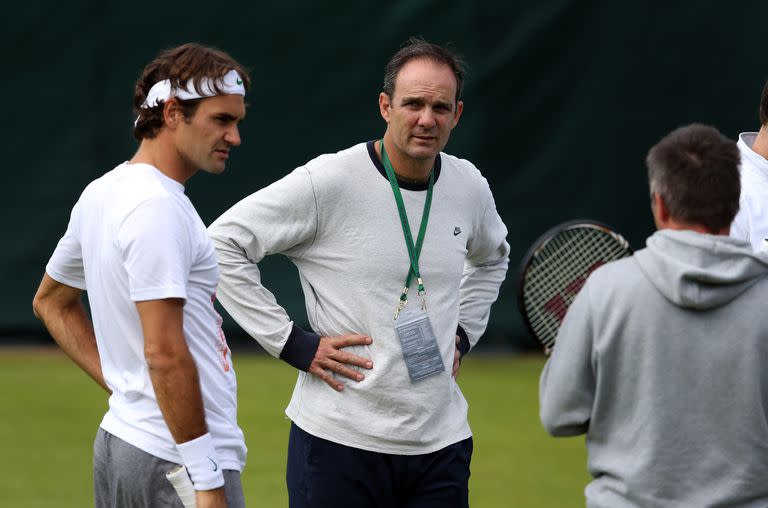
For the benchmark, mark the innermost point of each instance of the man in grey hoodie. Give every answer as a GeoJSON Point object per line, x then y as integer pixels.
{"type": "Point", "coordinates": [662, 359]}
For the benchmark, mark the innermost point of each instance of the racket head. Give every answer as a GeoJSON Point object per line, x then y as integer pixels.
{"type": "Point", "coordinates": [556, 267]}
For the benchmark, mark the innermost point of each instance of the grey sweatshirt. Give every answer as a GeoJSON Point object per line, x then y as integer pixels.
{"type": "Point", "coordinates": [662, 360]}
{"type": "Point", "coordinates": [336, 219]}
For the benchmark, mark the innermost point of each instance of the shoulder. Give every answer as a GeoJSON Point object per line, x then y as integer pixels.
{"type": "Point", "coordinates": [125, 188]}
{"type": "Point", "coordinates": [141, 190]}
{"type": "Point", "coordinates": [753, 180]}
{"type": "Point", "coordinates": [612, 271]}
{"type": "Point", "coordinates": [618, 276]}
{"type": "Point", "coordinates": [463, 173]}
{"type": "Point", "coordinates": [609, 289]}
{"type": "Point", "coordinates": [104, 183]}
{"type": "Point", "coordinates": [344, 171]}
{"type": "Point", "coordinates": [460, 167]}
{"type": "Point", "coordinates": [338, 161]}
{"type": "Point", "coordinates": [753, 166]}
{"type": "Point", "coordinates": [133, 182]}
{"type": "Point", "coordinates": [464, 182]}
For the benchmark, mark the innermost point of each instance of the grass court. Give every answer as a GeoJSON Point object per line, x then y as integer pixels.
{"type": "Point", "coordinates": [51, 411]}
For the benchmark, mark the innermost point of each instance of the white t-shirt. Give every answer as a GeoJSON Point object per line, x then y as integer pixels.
{"type": "Point", "coordinates": [751, 223]}
{"type": "Point", "coordinates": [133, 236]}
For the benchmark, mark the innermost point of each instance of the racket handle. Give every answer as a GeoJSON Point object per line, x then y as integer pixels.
{"type": "Point", "coordinates": [183, 485]}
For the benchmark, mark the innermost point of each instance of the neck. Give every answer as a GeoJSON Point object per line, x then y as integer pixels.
{"type": "Point", "coordinates": [665, 220]}
{"type": "Point", "coordinates": [406, 168]}
{"type": "Point", "coordinates": [760, 146]}
{"type": "Point", "coordinates": [160, 152]}
{"type": "Point", "coordinates": [679, 225]}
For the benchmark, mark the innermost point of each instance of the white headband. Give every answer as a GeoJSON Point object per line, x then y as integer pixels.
{"type": "Point", "coordinates": [229, 84]}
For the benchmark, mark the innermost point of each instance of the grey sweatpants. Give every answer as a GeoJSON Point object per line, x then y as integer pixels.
{"type": "Point", "coordinates": [126, 477]}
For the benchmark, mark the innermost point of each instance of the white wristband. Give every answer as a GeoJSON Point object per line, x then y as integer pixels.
{"type": "Point", "coordinates": [199, 456]}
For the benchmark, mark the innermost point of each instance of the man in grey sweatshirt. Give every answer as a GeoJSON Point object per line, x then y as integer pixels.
{"type": "Point", "coordinates": [378, 419]}
{"type": "Point", "coordinates": [662, 359]}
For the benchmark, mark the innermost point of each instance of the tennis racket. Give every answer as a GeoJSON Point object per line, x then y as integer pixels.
{"type": "Point", "coordinates": [555, 269]}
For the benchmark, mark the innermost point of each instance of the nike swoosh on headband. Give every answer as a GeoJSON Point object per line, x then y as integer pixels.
{"type": "Point", "coordinates": [230, 84]}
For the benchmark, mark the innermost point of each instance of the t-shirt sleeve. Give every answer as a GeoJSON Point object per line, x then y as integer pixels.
{"type": "Point", "coordinates": [66, 262]}
{"type": "Point", "coordinates": [156, 249]}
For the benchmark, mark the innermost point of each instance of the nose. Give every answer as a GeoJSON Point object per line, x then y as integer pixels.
{"type": "Point", "coordinates": [427, 118]}
{"type": "Point", "coordinates": [232, 136]}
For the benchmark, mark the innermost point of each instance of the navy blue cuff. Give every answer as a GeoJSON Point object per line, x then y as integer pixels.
{"type": "Point", "coordinates": [463, 341]}
{"type": "Point", "coordinates": [300, 348]}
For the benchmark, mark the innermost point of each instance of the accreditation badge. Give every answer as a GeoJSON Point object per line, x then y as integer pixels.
{"type": "Point", "coordinates": [419, 344]}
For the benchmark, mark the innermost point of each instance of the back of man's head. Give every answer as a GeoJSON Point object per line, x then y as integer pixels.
{"type": "Point", "coordinates": [189, 64]}
{"type": "Point", "coordinates": [695, 170]}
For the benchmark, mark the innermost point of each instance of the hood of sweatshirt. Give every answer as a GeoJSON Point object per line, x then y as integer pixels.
{"type": "Point", "coordinates": [700, 271]}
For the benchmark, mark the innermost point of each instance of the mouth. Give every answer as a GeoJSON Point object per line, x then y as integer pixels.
{"type": "Point", "coordinates": [223, 153]}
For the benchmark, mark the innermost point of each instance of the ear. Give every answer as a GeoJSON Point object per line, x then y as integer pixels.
{"type": "Point", "coordinates": [459, 110]}
{"type": "Point", "coordinates": [660, 211]}
{"type": "Point", "coordinates": [172, 114]}
{"type": "Point", "coordinates": [384, 106]}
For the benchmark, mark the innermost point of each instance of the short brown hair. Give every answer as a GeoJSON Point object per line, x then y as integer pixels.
{"type": "Point", "coordinates": [764, 105]}
{"type": "Point", "coordinates": [695, 169]}
{"type": "Point", "coordinates": [416, 48]}
{"type": "Point", "coordinates": [179, 65]}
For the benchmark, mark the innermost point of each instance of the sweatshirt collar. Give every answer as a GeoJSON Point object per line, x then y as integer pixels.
{"type": "Point", "coordinates": [746, 140]}
{"type": "Point", "coordinates": [403, 185]}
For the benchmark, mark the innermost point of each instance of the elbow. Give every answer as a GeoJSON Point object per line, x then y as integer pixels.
{"type": "Point", "coordinates": [158, 361]}
{"type": "Point", "coordinates": [561, 426]}
{"type": "Point", "coordinates": [164, 359]}
{"type": "Point", "coordinates": [54, 300]}
{"type": "Point", "coordinates": [38, 306]}
{"type": "Point", "coordinates": [566, 430]}
{"type": "Point", "coordinates": [547, 421]}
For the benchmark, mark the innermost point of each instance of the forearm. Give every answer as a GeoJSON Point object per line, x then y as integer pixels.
{"type": "Point", "coordinates": [279, 219]}
{"type": "Point", "coordinates": [478, 291]}
{"type": "Point", "coordinates": [484, 272]}
{"type": "Point", "coordinates": [563, 410]}
{"type": "Point", "coordinates": [72, 330]}
{"type": "Point", "coordinates": [176, 384]}
{"type": "Point", "coordinates": [177, 389]}
{"type": "Point", "coordinates": [568, 382]}
{"type": "Point", "coordinates": [249, 303]}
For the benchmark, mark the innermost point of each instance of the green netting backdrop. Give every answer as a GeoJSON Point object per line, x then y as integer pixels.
{"type": "Point", "coordinates": [562, 101]}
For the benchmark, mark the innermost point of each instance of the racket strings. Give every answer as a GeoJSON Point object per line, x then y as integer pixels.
{"type": "Point", "coordinates": [559, 269]}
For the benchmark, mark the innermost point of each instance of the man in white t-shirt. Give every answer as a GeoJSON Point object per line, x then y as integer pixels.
{"type": "Point", "coordinates": [751, 223]}
{"type": "Point", "coordinates": [138, 248]}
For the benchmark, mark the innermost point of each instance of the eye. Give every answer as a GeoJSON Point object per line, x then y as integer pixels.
{"type": "Point", "coordinates": [224, 119]}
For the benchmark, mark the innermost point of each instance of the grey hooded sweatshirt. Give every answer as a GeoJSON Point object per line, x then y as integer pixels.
{"type": "Point", "coordinates": [662, 360]}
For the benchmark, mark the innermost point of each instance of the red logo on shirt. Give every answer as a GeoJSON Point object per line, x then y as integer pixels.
{"type": "Point", "coordinates": [221, 347]}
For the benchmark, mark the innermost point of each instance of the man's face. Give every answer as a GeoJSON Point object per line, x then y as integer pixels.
{"type": "Point", "coordinates": [204, 140]}
{"type": "Point", "coordinates": [422, 111]}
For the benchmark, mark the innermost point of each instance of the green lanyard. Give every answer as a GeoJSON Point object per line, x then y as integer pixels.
{"type": "Point", "coordinates": [413, 251]}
